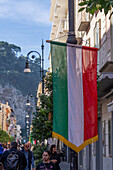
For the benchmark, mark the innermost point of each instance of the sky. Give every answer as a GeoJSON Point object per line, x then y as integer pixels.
{"type": "Point", "coordinates": [25, 23]}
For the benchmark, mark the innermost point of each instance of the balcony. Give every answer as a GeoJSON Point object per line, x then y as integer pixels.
{"type": "Point", "coordinates": [83, 21]}
{"type": "Point", "coordinates": [105, 84]}
{"type": "Point", "coordinates": [84, 26]}
{"type": "Point", "coordinates": [62, 30]}
{"type": "Point", "coordinates": [58, 10]}
{"type": "Point", "coordinates": [63, 26]}
{"type": "Point", "coordinates": [105, 57]}
{"type": "Point", "coordinates": [107, 67]}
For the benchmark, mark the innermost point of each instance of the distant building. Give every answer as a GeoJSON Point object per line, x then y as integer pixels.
{"type": "Point", "coordinates": [8, 121]}
{"type": "Point", "coordinates": [18, 133]}
{"type": "Point", "coordinates": [39, 92]}
{"type": "Point", "coordinates": [5, 111]}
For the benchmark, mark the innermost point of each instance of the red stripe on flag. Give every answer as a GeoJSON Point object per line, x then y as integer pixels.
{"type": "Point", "coordinates": [89, 69]}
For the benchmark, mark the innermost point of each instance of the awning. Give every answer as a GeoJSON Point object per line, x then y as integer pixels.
{"type": "Point", "coordinates": [105, 84]}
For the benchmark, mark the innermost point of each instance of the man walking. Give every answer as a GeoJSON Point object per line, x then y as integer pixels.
{"type": "Point", "coordinates": [29, 157]}
{"type": "Point", "coordinates": [13, 159]}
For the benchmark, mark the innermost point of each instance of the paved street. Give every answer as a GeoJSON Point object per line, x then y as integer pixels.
{"type": "Point", "coordinates": [64, 166]}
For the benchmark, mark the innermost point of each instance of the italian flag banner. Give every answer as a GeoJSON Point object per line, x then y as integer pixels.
{"type": "Point", "coordinates": [74, 94]}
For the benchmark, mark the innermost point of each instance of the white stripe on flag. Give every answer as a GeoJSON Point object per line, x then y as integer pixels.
{"type": "Point", "coordinates": [75, 96]}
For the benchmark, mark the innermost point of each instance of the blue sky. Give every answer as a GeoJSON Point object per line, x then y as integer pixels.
{"type": "Point", "coordinates": [25, 23]}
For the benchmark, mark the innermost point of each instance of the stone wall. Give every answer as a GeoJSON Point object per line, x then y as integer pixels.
{"type": "Point", "coordinates": [16, 101]}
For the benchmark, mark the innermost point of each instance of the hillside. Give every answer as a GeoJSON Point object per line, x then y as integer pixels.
{"type": "Point", "coordinates": [15, 85]}
{"type": "Point", "coordinates": [11, 72]}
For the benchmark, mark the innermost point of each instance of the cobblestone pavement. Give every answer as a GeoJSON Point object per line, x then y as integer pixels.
{"type": "Point", "coordinates": [64, 166]}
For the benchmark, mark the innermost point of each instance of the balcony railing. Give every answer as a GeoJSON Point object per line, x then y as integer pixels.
{"type": "Point", "coordinates": [62, 28]}
{"type": "Point", "coordinates": [105, 60]}
{"type": "Point", "coordinates": [83, 19]}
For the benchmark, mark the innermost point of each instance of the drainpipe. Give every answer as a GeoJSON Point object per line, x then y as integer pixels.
{"type": "Point", "coordinates": [110, 109]}
{"type": "Point", "coordinates": [111, 33]}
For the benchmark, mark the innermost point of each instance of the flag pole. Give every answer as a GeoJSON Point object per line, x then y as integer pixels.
{"type": "Point", "coordinates": [72, 40]}
{"type": "Point", "coordinates": [71, 34]}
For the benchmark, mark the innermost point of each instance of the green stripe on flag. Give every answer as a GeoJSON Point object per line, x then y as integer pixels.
{"type": "Point", "coordinates": [58, 43]}
{"type": "Point", "coordinates": [60, 95]}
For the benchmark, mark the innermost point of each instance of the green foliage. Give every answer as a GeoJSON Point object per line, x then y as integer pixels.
{"type": "Point", "coordinates": [42, 124]}
{"type": "Point", "coordinates": [93, 5]}
{"type": "Point", "coordinates": [11, 138]}
{"type": "Point", "coordinates": [6, 48]}
{"type": "Point", "coordinates": [4, 137]}
{"type": "Point", "coordinates": [11, 70]}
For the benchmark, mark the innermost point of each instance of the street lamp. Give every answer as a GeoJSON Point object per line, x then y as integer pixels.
{"type": "Point", "coordinates": [36, 57]}
{"type": "Point", "coordinates": [15, 131]}
{"type": "Point", "coordinates": [27, 128]}
{"type": "Point", "coordinates": [33, 58]}
{"type": "Point", "coordinates": [28, 103]}
{"type": "Point", "coordinates": [29, 98]}
{"type": "Point", "coordinates": [27, 122]}
{"type": "Point", "coordinates": [27, 116]}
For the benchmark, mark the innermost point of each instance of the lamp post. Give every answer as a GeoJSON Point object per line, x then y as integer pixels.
{"type": "Point", "coordinates": [71, 35]}
{"type": "Point", "coordinates": [40, 60]}
{"type": "Point", "coordinates": [27, 127]}
{"type": "Point", "coordinates": [72, 40]}
{"type": "Point", "coordinates": [36, 58]}
{"type": "Point", "coordinates": [15, 131]}
{"type": "Point", "coordinates": [29, 98]}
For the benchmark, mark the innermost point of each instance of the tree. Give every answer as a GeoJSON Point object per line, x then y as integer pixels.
{"type": "Point", "coordinates": [93, 5]}
{"type": "Point", "coordinates": [4, 137]}
{"type": "Point", "coordinates": [6, 48]}
{"type": "Point", "coordinates": [11, 69]}
{"type": "Point", "coordinates": [42, 120]}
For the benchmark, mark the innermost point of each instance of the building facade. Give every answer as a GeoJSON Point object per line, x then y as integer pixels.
{"type": "Point", "coordinates": [5, 111]}
{"type": "Point", "coordinates": [8, 121]}
{"type": "Point", "coordinates": [93, 31]}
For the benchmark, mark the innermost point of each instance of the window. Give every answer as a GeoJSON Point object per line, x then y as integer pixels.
{"type": "Point", "coordinates": [104, 137]}
{"type": "Point", "coordinates": [97, 40]}
{"type": "Point", "coordinates": [109, 136]}
{"type": "Point", "coordinates": [93, 149]}
{"type": "Point", "coordinates": [88, 42]}
{"type": "Point", "coordinates": [81, 159]}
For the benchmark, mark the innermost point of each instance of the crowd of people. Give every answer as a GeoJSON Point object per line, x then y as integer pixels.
{"type": "Point", "coordinates": [21, 158]}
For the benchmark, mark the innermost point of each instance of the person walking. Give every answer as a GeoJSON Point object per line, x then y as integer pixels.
{"type": "Point", "coordinates": [29, 157]}
{"type": "Point", "coordinates": [1, 150]}
{"type": "Point", "coordinates": [13, 159]}
{"type": "Point", "coordinates": [46, 164]}
{"type": "Point", "coordinates": [8, 146]}
{"type": "Point", "coordinates": [54, 156]}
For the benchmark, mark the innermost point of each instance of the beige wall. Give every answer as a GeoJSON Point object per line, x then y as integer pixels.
{"type": "Point", "coordinates": [4, 113]}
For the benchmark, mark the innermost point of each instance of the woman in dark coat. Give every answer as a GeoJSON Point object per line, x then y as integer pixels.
{"type": "Point", "coordinates": [54, 157]}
